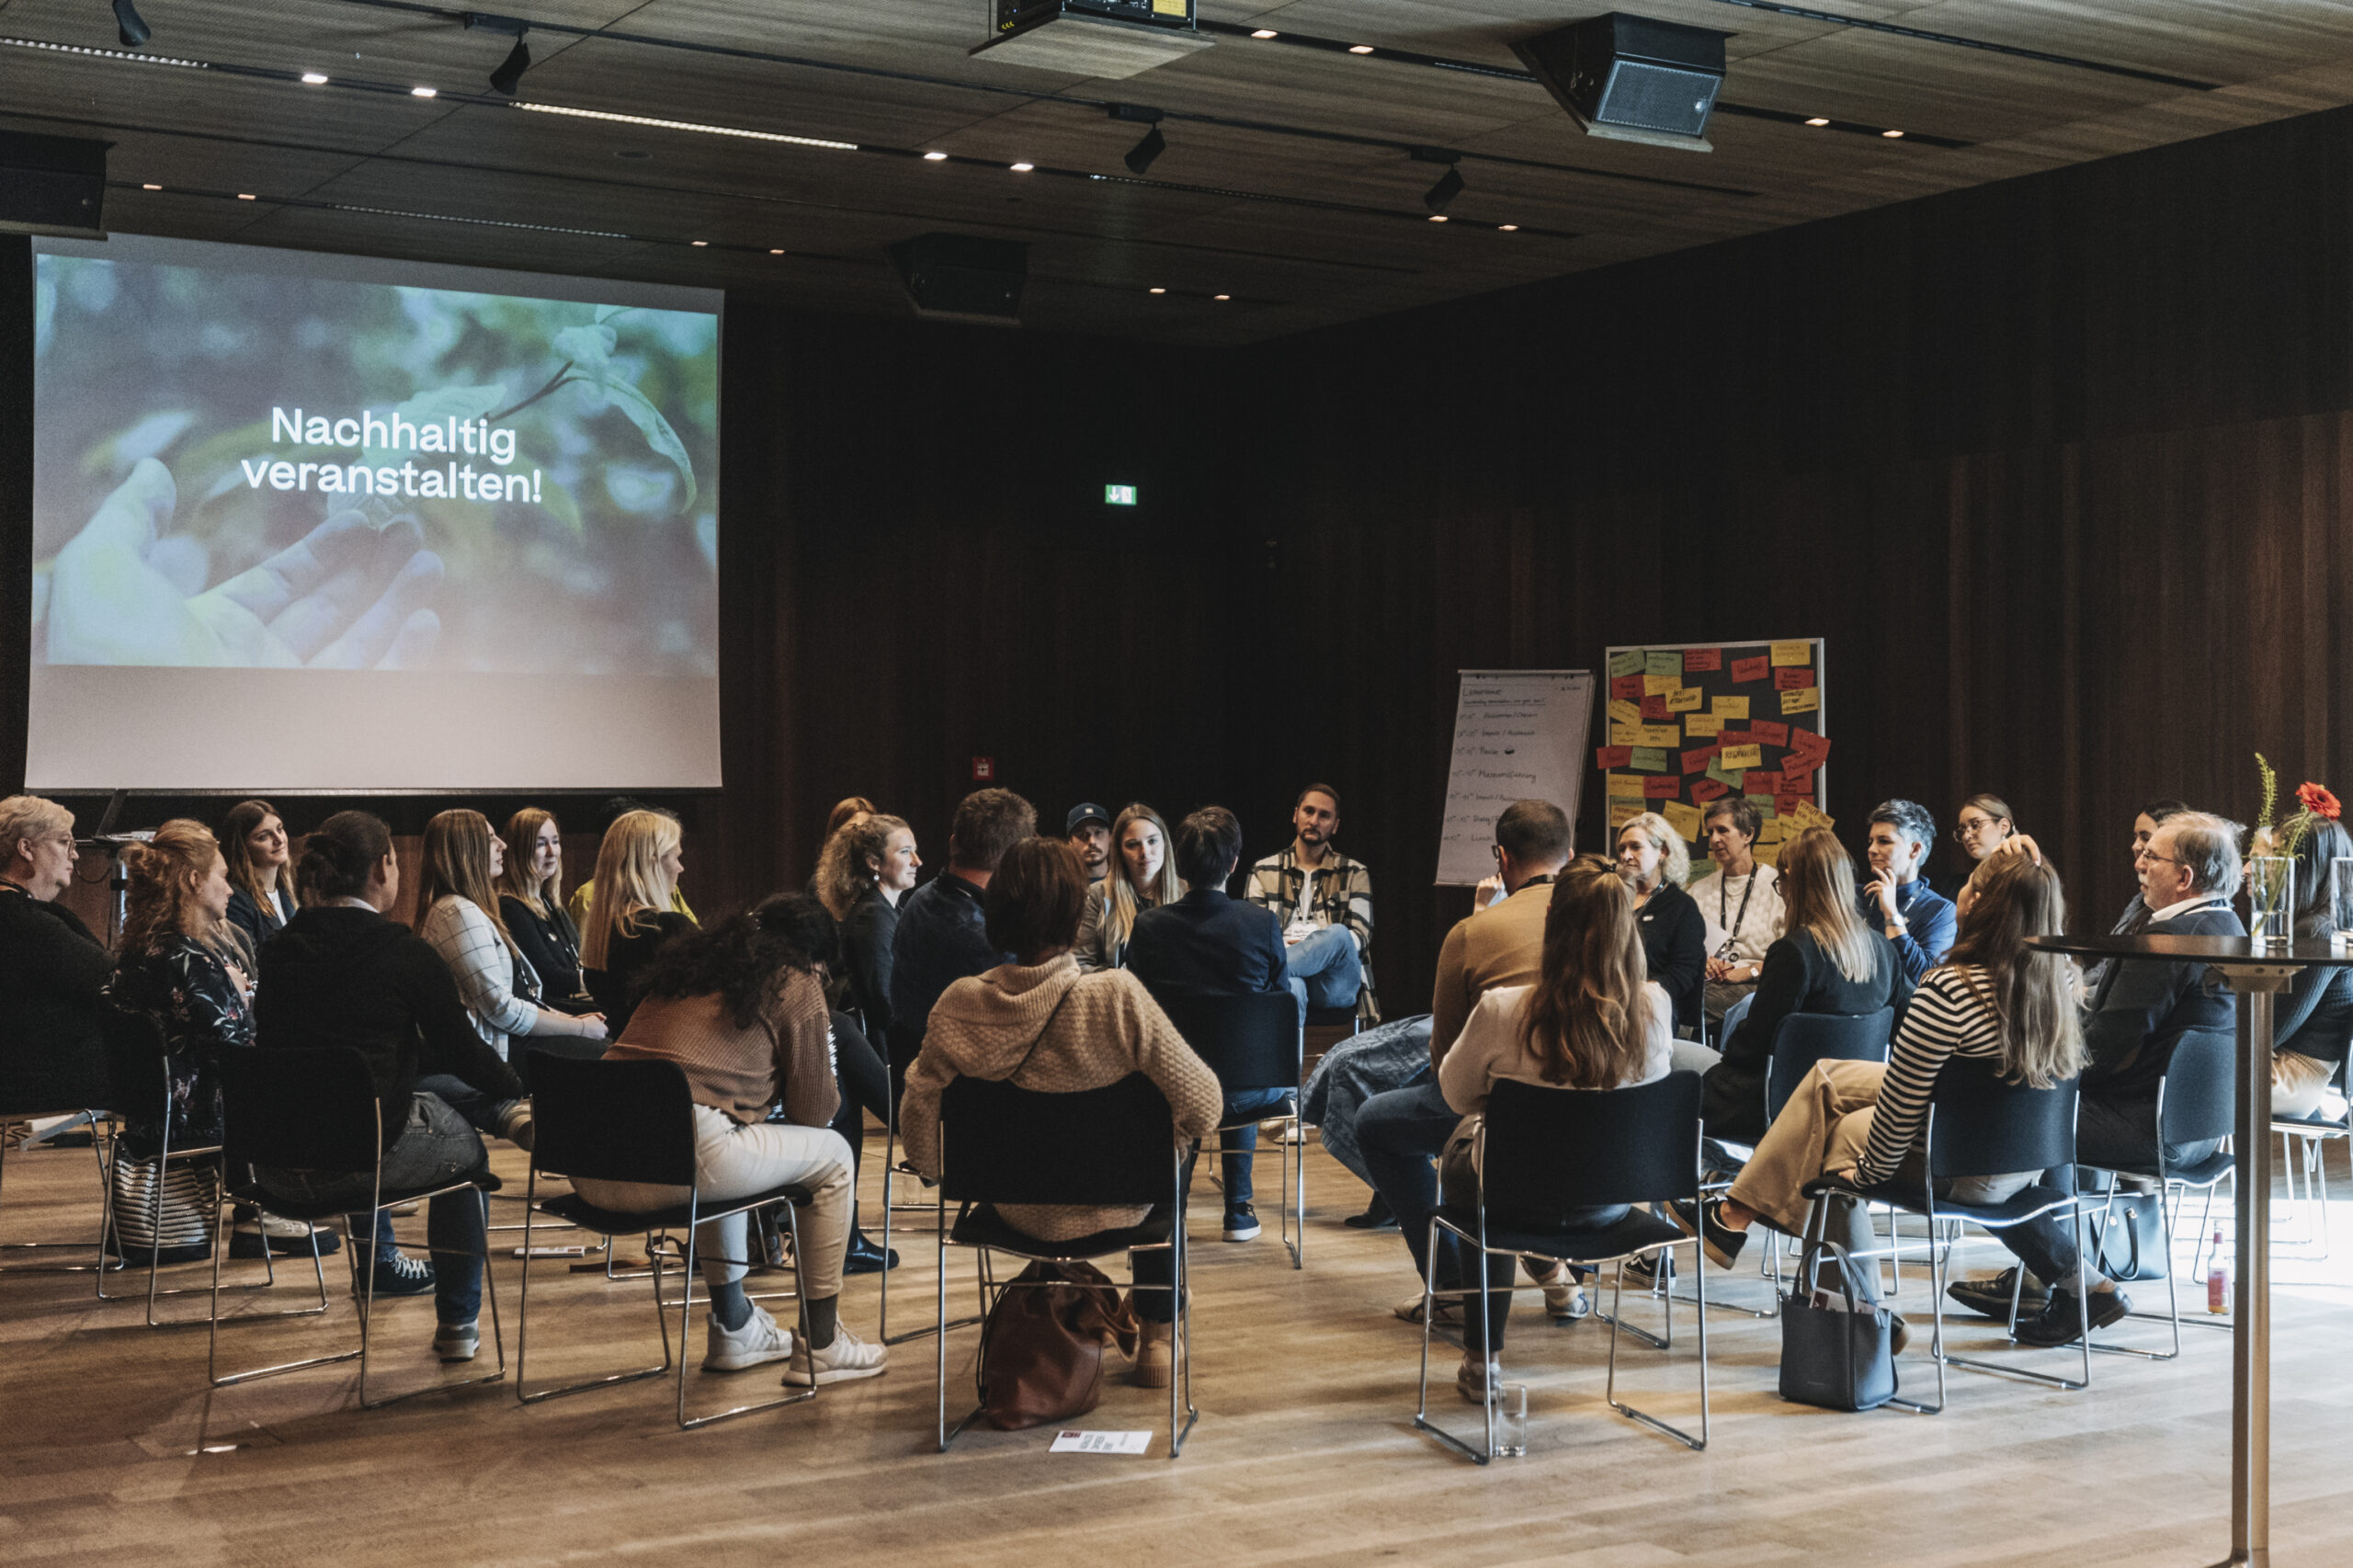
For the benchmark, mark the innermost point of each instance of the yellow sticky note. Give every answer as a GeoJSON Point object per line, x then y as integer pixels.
{"type": "Point", "coordinates": [1626, 784]}
{"type": "Point", "coordinates": [1653, 685]}
{"type": "Point", "coordinates": [1769, 854]}
{"type": "Point", "coordinates": [1684, 819]}
{"type": "Point", "coordinates": [1770, 830]}
{"type": "Point", "coordinates": [1687, 700]}
{"type": "Point", "coordinates": [1623, 811]}
{"type": "Point", "coordinates": [1793, 653]}
{"type": "Point", "coordinates": [1804, 699]}
{"type": "Point", "coordinates": [1167, 8]}
{"type": "Point", "coordinates": [1624, 712]}
{"type": "Point", "coordinates": [1730, 707]}
{"type": "Point", "coordinates": [1702, 726]}
{"type": "Point", "coordinates": [1661, 735]}
{"type": "Point", "coordinates": [1741, 758]}
{"type": "Point", "coordinates": [1626, 735]}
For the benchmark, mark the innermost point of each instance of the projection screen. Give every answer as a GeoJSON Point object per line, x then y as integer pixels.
{"type": "Point", "coordinates": [309, 522]}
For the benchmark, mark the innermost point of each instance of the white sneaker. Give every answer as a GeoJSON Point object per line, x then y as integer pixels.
{"type": "Point", "coordinates": [760, 1340]}
{"type": "Point", "coordinates": [1474, 1378]}
{"type": "Point", "coordinates": [456, 1342]}
{"type": "Point", "coordinates": [515, 1127]}
{"type": "Point", "coordinates": [848, 1357]}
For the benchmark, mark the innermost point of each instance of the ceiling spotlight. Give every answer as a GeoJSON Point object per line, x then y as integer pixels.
{"type": "Point", "coordinates": [1438, 217]}
{"type": "Point", "coordinates": [151, 187]}
{"type": "Point", "coordinates": [1891, 135]}
{"type": "Point", "coordinates": [1359, 49]}
{"type": "Point", "coordinates": [1160, 291]}
{"type": "Point", "coordinates": [699, 244]}
{"type": "Point", "coordinates": [1262, 32]}
{"type": "Point", "coordinates": [935, 157]}
{"type": "Point", "coordinates": [1140, 155]}
{"type": "Point", "coordinates": [1509, 228]}
{"type": "Point", "coordinates": [314, 79]}
{"type": "Point", "coordinates": [776, 253]}
{"type": "Point", "coordinates": [1449, 184]}
{"type": "Point", "coordinates": [1221, 296]}
{"type": "Point", "coordinates": [129, 26]}
{"type": "Point", "coordinates": [1021, 168]}
{"type": "Point", "coordinates": [424, 92]}
{"type": "Point", "coordinates": [1817, 120]}
{"type": "Point", "coordinates": [241, 196]}
{"type": "Point", "coordinates": [509, 74]}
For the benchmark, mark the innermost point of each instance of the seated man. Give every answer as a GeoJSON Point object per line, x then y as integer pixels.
{"type": "Point", "coordinates": [1207, 944]}
{"type": "Point", "coordinates": [1325, 903]}
{"type": "Point", "coordinates": [941, 936]}
{"type": "Point", "coordinates": [1088, 828]}
{"type": "Point", "coordinates": [1918, 919]}
{"type": "Point", "coordinates": [1498, 944]}
{"type": "Point", "coordinates": [2189, 870]}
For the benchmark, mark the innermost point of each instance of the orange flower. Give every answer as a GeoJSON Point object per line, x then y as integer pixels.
{"type": "Point", "coordinates": [2318, 800]}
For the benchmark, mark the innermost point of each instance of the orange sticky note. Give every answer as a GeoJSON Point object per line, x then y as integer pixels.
{"type": "Point", "coordinates": [1751, 669]}
{"type": "Point", "coordinates": [1790, 679]}
{"type": "Point", "coordinates": [1608, 758]}
{"type": "Point", "coordinates": [1666, 787]}
{"type": "Point", "coordinates": [1697, 659]}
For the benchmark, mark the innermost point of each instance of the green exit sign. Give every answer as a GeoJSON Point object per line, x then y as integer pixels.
{"type": "Point", "coordinates": [1119, 496]}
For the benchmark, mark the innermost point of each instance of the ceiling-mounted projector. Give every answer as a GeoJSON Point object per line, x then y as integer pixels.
{"type": "Point", "coordinates": [1090, 37]}
{"type": "Point", "coordinates": [1630, 78]}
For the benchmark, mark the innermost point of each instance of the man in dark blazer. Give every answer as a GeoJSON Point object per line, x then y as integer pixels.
{"type": "Point", "coordinates": [1208, 944]}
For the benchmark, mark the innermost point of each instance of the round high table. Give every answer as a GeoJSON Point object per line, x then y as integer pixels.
{"type": "Point", "coordinates": [2256, 970]}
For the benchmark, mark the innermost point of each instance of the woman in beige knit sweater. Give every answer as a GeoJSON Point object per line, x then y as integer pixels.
{"type": "Point", "coordinates": [1045, 1025]}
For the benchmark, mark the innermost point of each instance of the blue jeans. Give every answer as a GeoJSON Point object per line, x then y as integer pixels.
{"type": "Point", "coordinates": [1326, 968]}
{"type": "Point", "coordinates": [1401, 1134]}
{"type": "Point", "coordinates": [1237, 1146]}
{"type": "Point", "coordinates": [478, 1110]}
{"type": "Point", "coordinates": [1394, 1055]}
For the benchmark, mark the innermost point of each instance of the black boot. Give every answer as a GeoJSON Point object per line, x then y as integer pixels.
{"type": "Point", "coordinates": [1376, 1216]}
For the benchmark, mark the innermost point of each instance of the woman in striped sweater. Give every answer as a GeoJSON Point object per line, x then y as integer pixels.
{"type": "Point", "coordinates": [1995, 998]}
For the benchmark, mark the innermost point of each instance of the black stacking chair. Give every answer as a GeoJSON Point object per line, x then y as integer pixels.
{"type": "Point", "coordinates": [631, 1121]}
{"type": "Point", "coordinates": [1111, 1146]}
{"type": "Point", "coordinates": [1256, 1041]}
{"type": "Point", "coordinates": [141, 1053]}
{"type": "Point", "coordinates": [87, 1101]}
{"type": "Point", "coordinates": [1544, 1154]}
{"type": "Point", "coordinates": [2197, 1102]}
{"type": "Point", "coordinates": [317, 1110]}
{"type": "Point", "coordinates": [1980, 1126]}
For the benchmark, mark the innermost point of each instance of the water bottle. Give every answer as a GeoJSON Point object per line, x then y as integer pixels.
{"type": "Point", "coordinates": [2218, 1279]}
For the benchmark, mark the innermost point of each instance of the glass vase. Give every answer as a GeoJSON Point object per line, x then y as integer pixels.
{"type": "Point", "coordinates": [2271, 899]}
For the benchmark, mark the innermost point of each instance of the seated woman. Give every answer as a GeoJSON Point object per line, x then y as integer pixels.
{"type": "Point", "coordinates": [461, 919]}
{"type": "Point", "coordinates": [52, 1046]}
{"type": "Point", "coordinates": [869, 865]}
{"type": "Point", "coordinates": [583, 900]}
{"type": "Point", "coordinates": [2312, 1021]}
{"type": "Point", "coordinates": [1740, 900]}
{"type": "Point", "coordinates": [1043, 1025]}
{"type": "Point", "coordinates": [1591, 1021]}
{"type": "Point", "coordinates": [1981, 826]}
{"type": "Point", "coordinates": [261, 872]}
{"type": "Point", "coordinates": [741, 1010]}
{"type": "Point", "coordinates": [631, 915]}
{"type": "Point", "coordinates": [341, 974]}
{"type": "Point", "coordinates": [1829, 962]}
{"type": "Point", "coordinates": [530, 900]}
{"type": "Point", "coordinates": [1996, 999]}
{"type": "Point", "coordinates": [1653, 860]}
{"type": "Point", "coordinates": [177, 963]}
{"type": "Point", "coordinates": [1142, 876]}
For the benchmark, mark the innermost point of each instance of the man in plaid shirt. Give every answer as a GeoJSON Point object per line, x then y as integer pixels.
{"type": "Point", "coordinates": [1325, 901]}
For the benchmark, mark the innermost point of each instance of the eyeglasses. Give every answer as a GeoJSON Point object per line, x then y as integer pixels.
{"type": "Point", "coordinates": [1964, 832]}
{"type": "Point", "coordinates": [2152, 855]}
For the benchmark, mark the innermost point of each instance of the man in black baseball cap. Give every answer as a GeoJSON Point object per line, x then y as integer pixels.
{"type": "Point", "coordinates": [1089, 828]}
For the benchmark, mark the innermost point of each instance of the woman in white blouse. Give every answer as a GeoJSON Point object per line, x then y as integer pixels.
{"type": "Point", "coordinates": [1740, 903]}
{"type": "Point", "coordinates": [1591, 1021]}
{"type": "Point", "coordinates": [461, 859]}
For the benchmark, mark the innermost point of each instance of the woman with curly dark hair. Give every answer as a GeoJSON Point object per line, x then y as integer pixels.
{"type": "Point", "coordinates": [740, 1009]}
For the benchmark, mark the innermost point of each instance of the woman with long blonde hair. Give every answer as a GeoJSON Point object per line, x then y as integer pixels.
{"type": "Point", "coordinates": [530, 901]}
{"type": "Point", "coordinates": [1143, 876]}
{"type": "Point", "coordinates": [1654, 861]}
{"type": "Point", "coordinates": [1827, 960]}
{"type": "Point", "coordinates": [1592, 1020]}
{"type": "Point", "coordinates": [461, 918]}
{"type": "Point", "coordinates": [638, 867]}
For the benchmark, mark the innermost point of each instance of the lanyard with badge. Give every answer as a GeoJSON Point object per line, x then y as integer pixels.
{"type": "Point", "coordinates": [1723, 898]}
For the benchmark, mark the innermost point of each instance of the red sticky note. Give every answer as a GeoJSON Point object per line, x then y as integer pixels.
{"type": "Point", "coordinates": [1608, 758]}
{"type": "Point", "coordinates": [1785, 804]}
{"type": "Point", "coordinates": [1789, 677]}
{"type": "Point", "coordinates": [1696, 761]}
{"type": "Point", "coordinates": [1814, 749]}
{"type": "Point", "coordinates": [1769, 733]}
{"type": "Point", "coordinates": [1751, 669]}
{"type": "Point", "coordinates": [1708, 789]}
{"type": "Point", "coordinates": [1731, 737]}
{"type": "Point", "coordinates": [1655, 707]}
{"type": "Point", "coordinates": [1797, 781]}
{"type": "Point", "coordinates": [1664, 787]}
{"type": "Point", "coordinates": [1760, 782]}
{"type": "Point", "coordinates": [1628, 687]}
{"type": "Point", "coordinates": [1702, 659]}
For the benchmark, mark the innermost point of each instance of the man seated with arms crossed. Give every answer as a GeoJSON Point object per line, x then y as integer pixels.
{"type": "Point", "coordinates": [1325, 902]}
{"type": "Point", "coordinates": [1532, 845]}
{"type": "Point", "coordinates": [2189, 870]}
{"type": "Point", "coordinates": [1207, 944]}
{"type": "Point", "coordinates": [1400, 1133]}
{"type": "Point", "coordinates": [940, 937]}
{"type": "Point", "coordinates": [1916, 917]}
{"type": "Point", "coordinates": [1088, 828]}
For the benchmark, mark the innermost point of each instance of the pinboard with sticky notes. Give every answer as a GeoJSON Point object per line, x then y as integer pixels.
{"type": "Point", "coordinates": [1686, 724]}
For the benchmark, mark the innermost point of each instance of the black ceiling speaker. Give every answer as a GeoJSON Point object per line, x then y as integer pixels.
{"type": "Point", "coordinates": [963, 277]}
{"type": "Point", "coordinates": [1632, 79]}
{"type": "Point", "coordinates": [52, 185]}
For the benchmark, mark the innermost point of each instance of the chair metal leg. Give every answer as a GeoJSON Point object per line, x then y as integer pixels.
{"type": "Point", "coordinates": [1699, 1276]}
{"type": "Point", "coordinates": [497, 1339]}
{"type": "Point", "coordinates": [685, 1307]}
{"type": "Point", "coordinates": [2007, 1369]}
{"type": "Point", "coordinates": [523, 1392]}
{"type": "Point", "coordinates": [1484, 1453]}
{"type": "Point", "coordinates": [98, 1247]}
{"type": "Point", "coordinates": [213, 1318]}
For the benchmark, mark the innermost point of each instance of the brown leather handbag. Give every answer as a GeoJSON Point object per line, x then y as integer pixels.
{"type": "Point", "coordinates": [1041, 1349]}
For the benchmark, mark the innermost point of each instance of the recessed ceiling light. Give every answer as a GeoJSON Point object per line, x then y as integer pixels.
{"type": "Point", "coordinates": [699, 244]}
{"type": "Point", "coordinates": [1509, 228]}
{"type": "Point", "coordinates": [1023, 168]}
{"type": "Point", "coordinates": [424, 92]}
{"type": "Point", "coordinates": [1160, 291]}
{"type": "Point", "coordinates": [776, 253]}
{"type": "Point", "coordinates": [314, 79]}
{"type": "Point", "coordinates": [1438, 217]}
{"type": "Point", "coordinates": [1264, 32]}
{"type": "Point", "coordinates": [1891, 135]}
{"type": "Point", "coordinates": [243, 196]}
{"type": "Point", "coordinates": [151, 187]}
{"type": "Point", "coordinates": [935, 157]}
{"type": "Point", "coordinates": [1221, 296]}
{"type": "Point", "coordinates": [1817, 120]}
{"type": "Point", "coordinates": [1359, 49]}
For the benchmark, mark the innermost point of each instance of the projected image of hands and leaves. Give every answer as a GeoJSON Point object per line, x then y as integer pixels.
{"type": "Point", "coordinates": [261, 470]}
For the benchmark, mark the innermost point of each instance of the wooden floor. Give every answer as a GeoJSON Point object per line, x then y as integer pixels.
{"type": "Point", "coordinates": [1304, 1452]}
